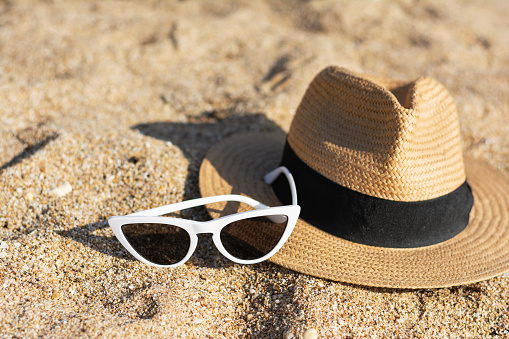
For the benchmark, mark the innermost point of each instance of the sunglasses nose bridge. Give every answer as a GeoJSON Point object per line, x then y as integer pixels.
{"type": "Point", "coordinates": [204, 227]}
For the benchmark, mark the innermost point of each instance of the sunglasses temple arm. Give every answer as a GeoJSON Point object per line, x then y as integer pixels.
{"type": "Point", "coordinates": [274, 174]}
{"type": "Point", "coordinates": [269, 179]}
{"type": "Point", "coordinates": [198, 202]}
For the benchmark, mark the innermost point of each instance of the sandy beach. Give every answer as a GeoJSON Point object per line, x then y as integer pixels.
{"type": "Point", "coordinates": [107, 108]}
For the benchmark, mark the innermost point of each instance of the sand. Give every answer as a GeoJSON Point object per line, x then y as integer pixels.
{"type": "Point", "coordinates": [107, 108]}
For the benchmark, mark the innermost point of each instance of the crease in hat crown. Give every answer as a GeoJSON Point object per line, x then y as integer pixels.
{"type": "Point", "coordinates": [385, 138]}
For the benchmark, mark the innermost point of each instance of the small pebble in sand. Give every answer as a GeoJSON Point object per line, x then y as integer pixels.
{"type": "Point", "coordinates": [29, 196]}
{"type": "Point", "coordinates": [61, 190]}
{"type": "Point", "coordinates": [3, 255]}
{"type": "Point", "coordinates": [300, 315]}
{"type": "Point", "coordinates": [505, 275]}
{"type": "Point", "coordinates": [16, 244]}
{"type": "Point", "coordinates": [252, 291]}
{"type": "Point", "coordinates": [249, 317]}
{"type": "Point", "coordinates": [310, 334]}
{"type": "Point", "coordinates": [3, 245]}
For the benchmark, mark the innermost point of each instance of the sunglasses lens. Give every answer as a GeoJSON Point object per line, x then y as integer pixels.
{"type": "Point", "coordinates": [252, 238]}
{"type": "Point", "coordinates": [158, 243]}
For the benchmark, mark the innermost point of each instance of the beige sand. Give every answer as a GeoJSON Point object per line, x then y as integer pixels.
{"type": "Point", "coordinates": [121, 100]}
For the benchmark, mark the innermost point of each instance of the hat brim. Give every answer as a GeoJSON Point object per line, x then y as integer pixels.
{"type": "Point", "coordinates": [237, 165]}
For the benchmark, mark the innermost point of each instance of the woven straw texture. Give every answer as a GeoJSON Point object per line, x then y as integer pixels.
{"type": "Point", "coordinates": [384, 138]}
{"type": "Point", "coordinates": [237, 165]}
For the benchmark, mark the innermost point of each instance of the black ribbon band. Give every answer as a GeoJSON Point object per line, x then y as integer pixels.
{"type": "Point", "coordinates": [369, 220]}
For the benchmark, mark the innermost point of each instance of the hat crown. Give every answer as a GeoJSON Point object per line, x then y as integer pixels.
{"type": "Point", "coordinates": [385, 138]}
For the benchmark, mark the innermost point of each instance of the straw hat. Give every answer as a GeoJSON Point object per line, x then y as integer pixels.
{"type": "Point", "coordinates": [387, 197]}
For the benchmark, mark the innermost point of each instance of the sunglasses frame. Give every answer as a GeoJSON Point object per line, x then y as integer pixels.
{"type": "Point", "coordinates": [193, 227]}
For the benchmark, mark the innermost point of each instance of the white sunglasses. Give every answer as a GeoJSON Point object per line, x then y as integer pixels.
{"type": "Point", "coordinates": [245, 238]}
